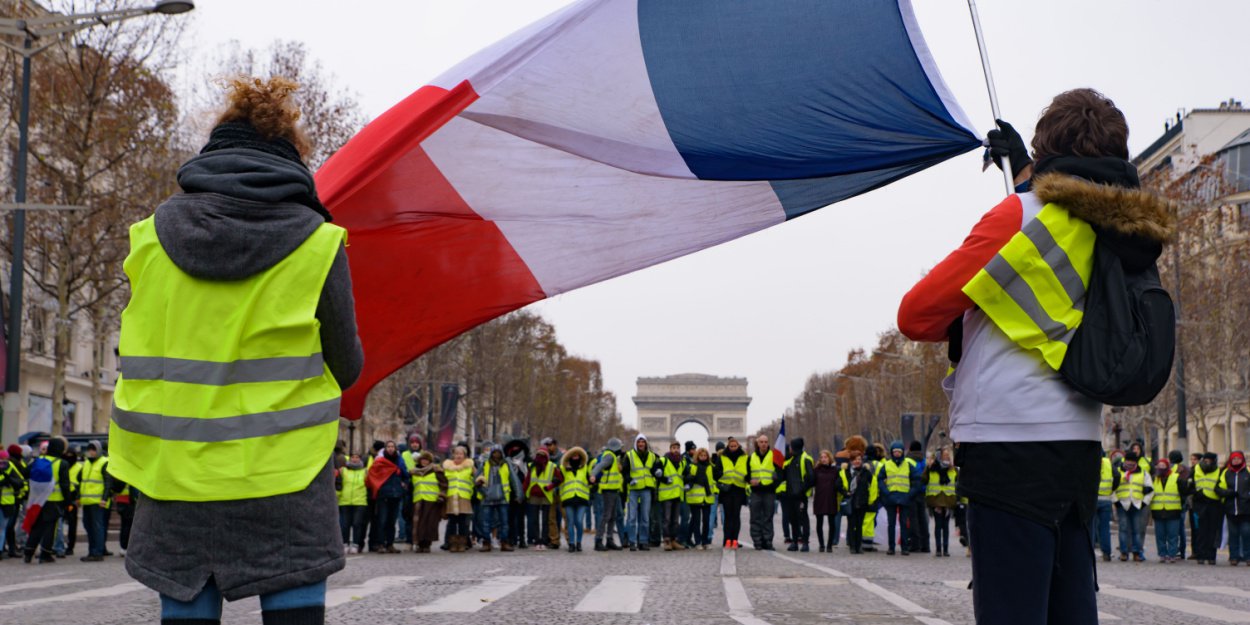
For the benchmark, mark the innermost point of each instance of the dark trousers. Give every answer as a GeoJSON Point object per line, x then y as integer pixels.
{"type": "Point", "coordinates": [656, 528]}
{"type": "Point", "coordinates": [794, 513]}
{"type": "Point", "coordinates": [10, 527]}
{"type": "Point", "coordinates": [1025, 573]}
{"type": "Point", "coordinates": [855, 531]}
{"type": "Point", "coordinates": [385, 513]}
{"type": "Point", "coordinates": [701, 523]}
{"type": "Point", "coordinates": [516, 523]}
{"type": "Point", "coordinates": [71, 528]}
{"type": "Point", "coordinates": [785, 523]}
{"type": "Point", "coordinates": [609, 520]}
{"type": "Point", "coordinates": [899, 518]}
{"type": "Point", "coordinates": [731, 502]}
{"type": "Point", "coordinates": [671, 511]}
{"type": "Point", "coordinates": [352, 524]}
{"type": "Point", "coordinates": [44, 531]}
{"type": "Point", "coordinates": [762, 506]}
{"type": "Point", "coordinates": [961, 523]}
{"type": "Point", "coordinates": [941, 530]}
{"type": "Point", "coordinates": [405, 520]}
{"type": "Point", "coordinates": [457, 525]}
{"type": "Point", "coordinates": [1210, 521]}
{"type": "Point", "coordinates": [683, 531]}
{"type": "Point", "coordinates": [539, 518]}
{"type": "Point", "coordinates": [127, 513]}
{"type": "Point", "coordinates": [95, 519]}
{"type": "Point", "coordinates": [821, 521]}
{"type": "Point", "coordinates": [920, 526]}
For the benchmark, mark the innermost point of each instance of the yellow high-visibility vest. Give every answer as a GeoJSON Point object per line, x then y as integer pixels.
{"type": "Point", "coordinates": [93, 481]}
{"type": "Point", "coordinates": [460, 482]}
{"type": "Point", "coordinates": [762, 469]}
{"type": "Point", "coordinates": [1105, 480]}
{"type": "Point", "coordinates": [697, 495]}
{"type": "Point", "coordinates": [610, 480]}
{"type": "Point", "coordinates": [576, 484]}
{"type": "Point", "coordinates": [1133, 488]}
{"type": "Point", "coordinates": [543, 478]}
{"type": "Point", "coordinates": [354, 491]}
{"type": "Point", "coordinates": [675, 488]}
{"type": "Point", "coordinates": [734, 472]}
{"type": "Point", "coordinates": [8, 494]}
{"type": "Point", "coordinates": [898, 476]}
{"type": "Point", "coordinates": [425, 487]}
{"type": "Point", "coordinates": [56, 479]}
{"type": "Point", "coordinates": [1167, 494]}
{"type": "Point", "coordinates": [223, 393]}
{"type": "Point", "coordinates": [1034, 288]}
{"type": "Point", "coordinates": [640, 473]}
{"type": "Point", "coordinates": [1205, 482]}
{"type": "Point", "coordinates": [935, 487]}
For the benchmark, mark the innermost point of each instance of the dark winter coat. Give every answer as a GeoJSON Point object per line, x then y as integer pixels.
{"type": "Point", "coordinates": [828, 487]}
{"type": "Point", "coordinates": [860, 481]}
{"type": "Point", "coordinates": [242, 212]}
{"type": "Point", "coordinates": [798, 480]}
{"type": "Point", "coordinates": [1237, 495]}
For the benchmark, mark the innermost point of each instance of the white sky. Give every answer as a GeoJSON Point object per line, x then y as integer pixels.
{"type": "Point", "coordinates": [779, 305]}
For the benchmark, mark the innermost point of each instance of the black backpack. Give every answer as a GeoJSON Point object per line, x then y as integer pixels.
{"type": "Point", "coordinates": [1122, 352]}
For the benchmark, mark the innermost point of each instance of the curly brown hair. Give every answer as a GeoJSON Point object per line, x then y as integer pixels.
{"type": "Point", "coordinates": [266, 105]}
{"type": "Point", "coordinates": [1081, 122]}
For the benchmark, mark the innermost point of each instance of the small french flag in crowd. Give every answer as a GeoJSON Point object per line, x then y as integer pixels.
{"type": "Point", "coordinates": [41, 485]}
{"type": "Point", "coordinates": [779, 446]}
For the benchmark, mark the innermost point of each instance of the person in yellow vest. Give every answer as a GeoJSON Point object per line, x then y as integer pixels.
{"type": "Point", "coordinates": [899, 471]}
{"type": "Point", "coordinates": [94, 490]}
{"type": "Point", "coordinates": [50, 473]}
{"type": "Point", "coordinates": [67, 527]}
{"type": "Point", "coordinates": [1100, 528]}
{"type": "Point", "coordinates": [409, 457]}
{"type": "Point", "coordinates": [1208, 507]}
{"type": "Point", "coordinates": [1012, 297]}
{"type": "Point", "coordinates": [575, 494]}
{"type": "Point", "coordinates": [1234, 487]}
{"type": "Point", "coordinates": [862, 487]}
{"type": "Point", "coordinates": [238, 337]}
{"type": "Point", "coordinates": [494, 483]}
{"type": "Point", "coordinates": [606, 476]}
{"type": "Point", "coordinates": [762, 476]}
{"type": "Point", "coordinates": [353, 499]}
{"type": "Point", "coordinates": [1165, 510]}
{"type": "Point", "coordinates": [639, 466]}
{"type": "Point", "coordinates": [699, 483]}
{"type": "Point", "coordinates": [1132, 498]}
{"type": "Point", "coordinates": [459, 472]}
{"type": "Point", "coordinates": [732, 470]}
{"type": "Point", "coordinates": [797, 479]}
{"type": "Point", "coordinates": [939, 496]}
{"type": "Point", "coordinates": [876, 455]}
{"type": "Point", "coordinates": [10, 485]}
{"type": "Point", "coordinates": [429, 493]}
{"type": "Point", "coordinates": [670, 492]}
{"type": "Point", "coordinates": [17, 464]}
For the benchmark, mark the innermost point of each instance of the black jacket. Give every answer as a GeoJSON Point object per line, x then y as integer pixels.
{"type": "Point", "coordinates": [1237, 495]}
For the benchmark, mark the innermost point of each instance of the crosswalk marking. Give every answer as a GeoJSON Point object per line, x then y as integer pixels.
{"type": "Point", "coordinates": [739, 603]}
{"type": "Point", "coordinates": [1178, 604]}
{"type": "Point", "coordinates": [616, 593]}
{"type": "Point", "coordinates": [728, 563]}
{"type": "Point", "coordinates": [42, 584]}
{"type": "Point", "coordinates": [1222, 590]}
{"type": "Point", "coordinates": [812, 565]}
{"type": "Point", "coordinates": [476, 597]}
{"type": "Point", "coordinates": [98, 593]}
{"type": "Point", "coordinates": [338, 596]}
{"type": "Point", "coordinates": [899, 602]}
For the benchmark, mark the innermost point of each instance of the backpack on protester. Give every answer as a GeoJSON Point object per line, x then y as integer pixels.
{"type": "Point", "coordinates": [1122, 352]}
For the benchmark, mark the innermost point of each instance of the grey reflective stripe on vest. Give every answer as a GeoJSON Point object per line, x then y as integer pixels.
{"type": "Point", "coordinates": [208, 430]}
{"type": "Point", "coordinates": [1056, 257]}
{"type": "Point", "coordinates": [210, 373]}
{"type": "Point", "coordinates": [1005, 275]}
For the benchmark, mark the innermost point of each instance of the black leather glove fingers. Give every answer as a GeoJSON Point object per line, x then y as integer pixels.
{"type": "Point", "coordinates": [1005, 141]}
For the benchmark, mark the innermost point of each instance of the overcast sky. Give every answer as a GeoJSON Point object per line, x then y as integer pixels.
{"type": "Point", "coordinates": [782, 304]}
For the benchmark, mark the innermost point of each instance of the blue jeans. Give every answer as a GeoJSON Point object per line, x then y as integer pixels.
{"type": "Point", "coordinates": [576, 521]}
{"type": "Point", "coordinates": [1100, 527]}
{"type": "Point", "coordinates": [494, 516]}
{"type": "Point", "coordinates": [1131, 520]}
{"type": "Point", "coordinates": [1239, 538]}
{"type": "Point", "coordinates": [1168, 537]}
{"type": "Point", "coordinates": [683, 524]}
{"type": "Point", "coordinates": [95, 519]}
{"type": "Point", "coordinates": [207, 604]}
{"type": "Point", "coordinates": [639, 513]}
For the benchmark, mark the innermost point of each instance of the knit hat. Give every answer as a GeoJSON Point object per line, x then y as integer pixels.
{"type": "Point", "coordinates": [1238, 455]}
{"type": "Point", "coordinates": [690, 446]}
{"type": "Point", "coordinates": [720, 446]}
{"type": "Point", "coordinates": [1212, 456]}
{"type": "Point", "coordinates": [896, 445]}
{"type": "Point", "coordinates": [57, 446]}
{"type": "Point", "coordinates": [4, 455]}
{"type": "Point", "coordinates": [1175, 457]}
{"type": "Point", "coordinates": [615, 444]}
{"type": "Point", "coordinates": [15, 450]}
{"type": "Point", "coordinates": [916, 446]}
{"type": "Point", "coordinates": [1164, 462]}
{"type": "Point", "coordinates": [96, 444]}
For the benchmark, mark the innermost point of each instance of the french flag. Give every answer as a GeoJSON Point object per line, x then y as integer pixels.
{"type": "Point", "coordinates": [41, 482]}
{"type": "Point", "coordinates": [779, 445]}
{"type": "Point", "coordinates": [617, 134]}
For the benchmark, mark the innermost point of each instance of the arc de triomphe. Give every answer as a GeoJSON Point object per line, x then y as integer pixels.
{"type": "Point", "coordinates": [665, 403]}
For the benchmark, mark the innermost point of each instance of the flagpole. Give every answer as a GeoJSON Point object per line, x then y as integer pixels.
{"type": "Point", "coordinates": [989, 85]}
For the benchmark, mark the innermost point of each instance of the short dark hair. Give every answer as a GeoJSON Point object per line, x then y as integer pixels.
{"type": "Point", "coordinates": [1081, 122]}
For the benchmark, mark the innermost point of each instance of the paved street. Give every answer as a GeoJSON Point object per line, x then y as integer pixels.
{"type": "Point", "coordinates": [690, 588]}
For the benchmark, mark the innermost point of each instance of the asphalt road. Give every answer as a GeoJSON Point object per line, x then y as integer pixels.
{"type": "Point", "coordinates": [653, 588]}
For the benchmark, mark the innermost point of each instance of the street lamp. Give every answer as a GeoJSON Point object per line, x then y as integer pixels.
{"type": "Point", "coordinates": [51, 28]}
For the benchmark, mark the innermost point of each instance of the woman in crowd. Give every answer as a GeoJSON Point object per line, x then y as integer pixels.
{"type": "Point", "coordinates": [459, 473]}
{"type": "Point", "coordinates": [388, 495]}
{"type": "Point", "coordinates": [700, 486]}
{"type": "Point", "coordinates": [939, 496]}
{"type": "Point", "coordinates": [830, 487]}
{"type": "Point", "coordinates": [575, 494]}
{"type": "Point", "coordinates": [353, 501]}
{"type": "Point", "coordinates": [429, 494]}
{"type": "Point", "coordinates": [861, 490]}
{"type": "Point", "coordinates": [731, 473]}
{"type": "Point", "coordinates": [539, 486]}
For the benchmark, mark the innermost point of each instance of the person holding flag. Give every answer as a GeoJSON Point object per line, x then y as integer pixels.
{"type": "Point", "coordinates": [762, 469]}
{"type": "Point", "coordinates": [50, 488]}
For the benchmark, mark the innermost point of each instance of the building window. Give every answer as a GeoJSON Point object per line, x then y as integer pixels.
{"type": "Point", "coordinates": [1243, 216]}
{"type": "Point", "coordinates": [39, 413]}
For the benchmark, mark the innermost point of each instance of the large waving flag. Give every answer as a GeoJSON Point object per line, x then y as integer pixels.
{"type": "Point", "coordinates": [41, 482]}
{"type": "Point", "coordinates": [617, 134]}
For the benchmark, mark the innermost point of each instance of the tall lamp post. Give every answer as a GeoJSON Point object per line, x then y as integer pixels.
{"type": "Point", "coordinates": [47, 30]}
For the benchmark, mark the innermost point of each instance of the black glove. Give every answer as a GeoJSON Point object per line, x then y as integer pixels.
{"type": "Point", "coordinates": [1005, 141]}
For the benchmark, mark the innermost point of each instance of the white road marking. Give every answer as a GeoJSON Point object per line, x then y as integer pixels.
{"type": "Point", "coordinates": [929, 620]}
{"type": "Point", "coordinates": [963, 585]}
{"type": "Point", "coordinates": [476, 597]}
{"type": "Point", "coordinates": [98, 593]}
{"type": "Point", "coordinates": [739, 603]}
{"type": "Point", "coordinates": [616, 593]}
{"type": "Point", "coordinates": [338, 596]}
{"type": "Point", "coordinates": [1222, 590]}
{"type": "Point", "coordinates": [899, 602]}
{"type": "Point", "coordinates": [812, 565]}
{"type": "Point", "coordinates": [728, 563]}
{"type": "Point", "coordinates": [44, 584]}
{"type": "Point", "coordinates": [493, 571]}
{"type": "Point", "coordinates": [1196, 608]}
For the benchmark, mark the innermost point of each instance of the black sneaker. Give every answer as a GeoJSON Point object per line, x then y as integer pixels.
{"type": "Point", "coordinates": [92, 558]}
{"type": "Point", "coordinates": [599, 546]}
{"type": "Point", "coordinates": [579, 547]}
{"type": "Point", "coordinates": [805, 548]}
{"type": "Point", "coordinates": [633, 547]}
{"type": "Point", "coordinates": [643, 547]}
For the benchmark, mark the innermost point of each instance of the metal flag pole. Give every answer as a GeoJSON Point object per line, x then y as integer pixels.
{"type": "Point", "coordinates": [989, 85]}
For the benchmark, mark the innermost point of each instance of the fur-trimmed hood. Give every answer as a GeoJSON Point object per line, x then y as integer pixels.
{"type": "Point", "coordinates": [576, 452]}
{"type": "Point", "coordinates": [1130, 212]}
